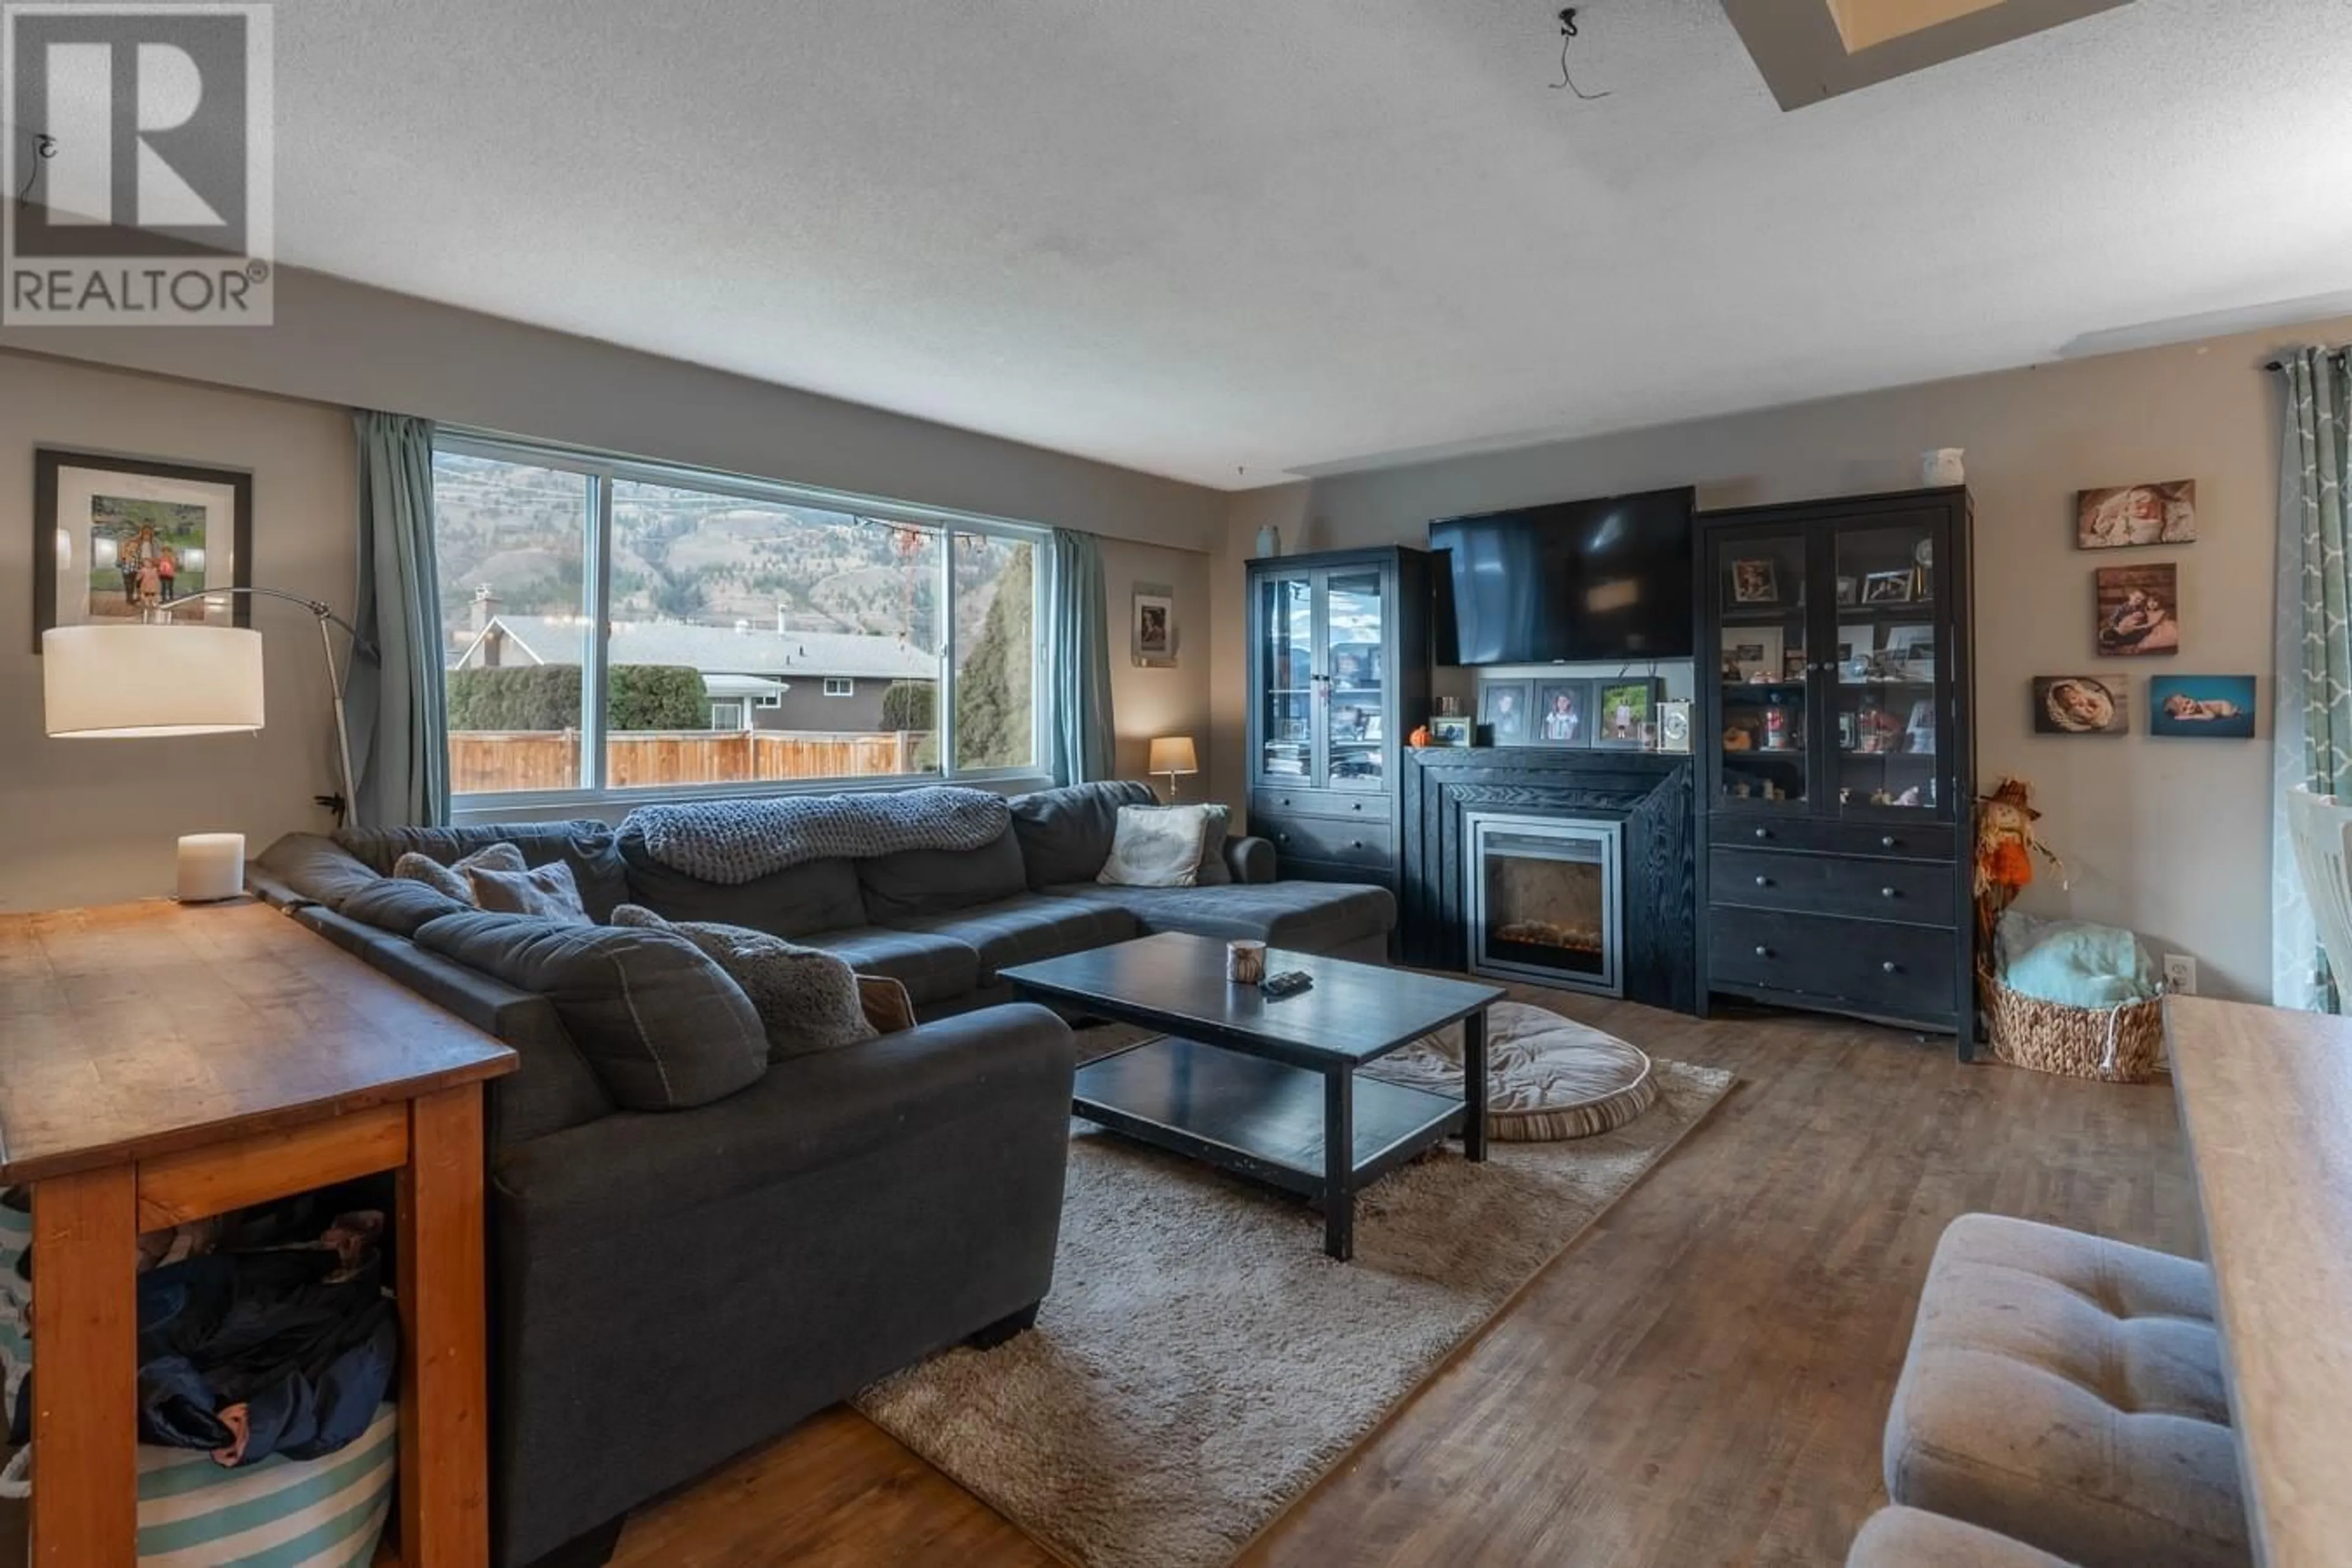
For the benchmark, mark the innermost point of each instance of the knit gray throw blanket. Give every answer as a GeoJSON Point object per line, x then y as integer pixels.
{"type": "Point", "coordinates": [732, 841]}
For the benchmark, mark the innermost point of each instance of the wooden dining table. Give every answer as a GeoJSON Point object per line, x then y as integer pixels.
{"type": "Point", "coordinates": [2266, 1103]}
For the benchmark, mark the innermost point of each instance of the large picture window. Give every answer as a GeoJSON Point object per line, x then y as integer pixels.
{"type": "Point", "coordinates": [608, 626]}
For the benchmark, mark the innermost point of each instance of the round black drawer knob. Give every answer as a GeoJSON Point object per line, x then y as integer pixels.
{"type": "Point", "coordinates": [1763, 833]}
{"type": "Point", "coordinates": [1355, 843]}
{"type": "Point", "coordinates": [1358, 806]}
{"type": "Point", "coordinates": [1888, 893]}
{"type": "Point", "coordinates": [1762, 951]}
{"type": "Point", "coordinates": [1890, 966]}
{"type": "Point", "coordinates": [1763, 881]}
{"type": "Point", "coordinates": [1886, 842]}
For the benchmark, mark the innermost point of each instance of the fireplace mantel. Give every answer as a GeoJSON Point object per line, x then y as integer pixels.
{"type": "Point", "coordinates": [1649, 793]}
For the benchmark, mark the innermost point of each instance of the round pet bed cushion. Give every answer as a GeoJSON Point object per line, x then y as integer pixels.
{"type": "Point", "coordinates": [1548, 1077]}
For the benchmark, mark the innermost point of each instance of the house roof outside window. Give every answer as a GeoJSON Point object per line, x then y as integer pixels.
{"type": "Point", "coordinates": [743, 650]}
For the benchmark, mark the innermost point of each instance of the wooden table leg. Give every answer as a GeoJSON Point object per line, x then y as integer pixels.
{"type": "Point", "coordinates": [1339, 1162]}
{"type": "Point", "coordinates": [1473, 1086]}
{"type": "Point", "coordinates": [444, 1384]}
{"type": "Point", "coordinates": [86, 1395]}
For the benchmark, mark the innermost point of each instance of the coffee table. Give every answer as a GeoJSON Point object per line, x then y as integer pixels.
{"type": "Point", "coordinates": [1266, 1087]}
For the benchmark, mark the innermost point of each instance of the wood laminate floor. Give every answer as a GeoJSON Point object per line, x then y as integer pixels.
{"type": "Point", "coordinates": [1700, 1379]}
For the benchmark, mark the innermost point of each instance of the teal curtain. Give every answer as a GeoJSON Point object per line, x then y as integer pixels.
{"type": "Point", "coordinates": [2312, 719]}
{"type": "Point", "coordinates": [400, 748]}
{"type": "Point", "coordinates": [1078, 662]}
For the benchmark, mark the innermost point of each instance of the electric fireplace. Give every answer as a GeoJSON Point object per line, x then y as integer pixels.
{"type": "Point", "coordinates": [1545, 900]}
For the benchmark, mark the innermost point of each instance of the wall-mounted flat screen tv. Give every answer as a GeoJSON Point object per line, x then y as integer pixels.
{"type": "Point", "coordinates": [1573, 581]}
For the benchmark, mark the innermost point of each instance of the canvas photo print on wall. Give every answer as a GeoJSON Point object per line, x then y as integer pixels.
{"type": "Point", "coordinates": [2138, 610]}
{"type": "Point", "coordinates": [2124, 515]}
{"type": "Point", "coordinates": [2201, 707]}
{"type": "Point", "coordinates": [2081, 705]}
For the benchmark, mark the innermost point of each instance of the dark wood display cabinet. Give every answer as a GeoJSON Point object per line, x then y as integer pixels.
{"type": "Point", "coordinates": [1339, 675]}
{"type": "Point", "coordinates": [1838, 744]}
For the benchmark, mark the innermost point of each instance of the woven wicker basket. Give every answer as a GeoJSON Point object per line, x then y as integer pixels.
{"type": "Point", "coordinates": [2117, 1045]}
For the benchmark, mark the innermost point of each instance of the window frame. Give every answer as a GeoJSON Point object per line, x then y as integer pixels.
{"type": "Point", "coordinates": [848, 684]}
{"type": "Point", "coordinates": [603, 471]}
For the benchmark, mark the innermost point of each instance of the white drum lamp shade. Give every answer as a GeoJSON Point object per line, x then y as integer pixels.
{"type": "Point", "coordinates": [128, 682]}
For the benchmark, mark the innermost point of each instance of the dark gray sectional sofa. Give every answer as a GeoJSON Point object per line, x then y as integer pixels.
{"type": "Point", "coordinates": [693, 1248]}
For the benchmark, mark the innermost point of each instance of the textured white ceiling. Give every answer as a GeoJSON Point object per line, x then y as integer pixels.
{"type": "Point", "coordinates": [1203, 236]}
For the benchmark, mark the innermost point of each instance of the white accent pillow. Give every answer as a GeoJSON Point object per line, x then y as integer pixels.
{"type": "Point", "coordinates": [1157, 847]}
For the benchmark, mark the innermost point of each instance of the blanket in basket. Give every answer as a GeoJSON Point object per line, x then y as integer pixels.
{"type": "Point", "coordinates": [735, 841]}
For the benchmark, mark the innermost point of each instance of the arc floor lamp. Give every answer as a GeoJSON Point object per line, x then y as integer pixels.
{"type": "Point", "coordinates": [98, 681]}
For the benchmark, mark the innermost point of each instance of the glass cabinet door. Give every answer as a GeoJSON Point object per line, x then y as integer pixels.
{"type": "Point", "coordinates": [1287, 687]}
{"type": "Point", "coordinates": [1355, 697]}
{"type": "Point", "coordinates": [1891, 693]}
{"type": "Point", "coordinates": [1762, 756]}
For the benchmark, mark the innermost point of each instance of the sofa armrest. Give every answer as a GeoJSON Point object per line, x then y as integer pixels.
{"type": "Point", "coordinates": [1009, 1068]}
{"type": "Point", "coordinates": [1249, 859]}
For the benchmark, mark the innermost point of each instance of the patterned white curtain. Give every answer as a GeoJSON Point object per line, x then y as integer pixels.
{"type": "Point", "coordinates": [2312, 726]}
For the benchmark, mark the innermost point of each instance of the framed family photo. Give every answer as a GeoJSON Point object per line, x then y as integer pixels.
{"type": "Point", "coordinates": [115, 537]}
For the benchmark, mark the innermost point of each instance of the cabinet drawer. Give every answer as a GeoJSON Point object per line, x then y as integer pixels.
{"type": "Point", "coordinates": [1352, 805]}
{"type": "Point", "coordinates": [1329, 840]}
{"type": "Point", "coordinates": [1904, 840]}
{"type": "Point", "coordinates": [1327, 871]}
{"type": "Point", "coordinates": [1909, 892]}
{"type": "Point", "coordinates": [1900, 970]}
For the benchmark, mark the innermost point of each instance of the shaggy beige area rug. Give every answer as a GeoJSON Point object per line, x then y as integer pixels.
{"type": "Point", "coordinates": [1201, 1362]}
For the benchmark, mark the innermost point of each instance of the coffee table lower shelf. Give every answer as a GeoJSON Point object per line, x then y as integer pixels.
{"type": "Point", "coordinates": [1266, 1120]}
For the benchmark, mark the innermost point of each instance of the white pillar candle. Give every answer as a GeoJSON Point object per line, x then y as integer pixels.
{"type": "Point", "coordinates": [212, 867]}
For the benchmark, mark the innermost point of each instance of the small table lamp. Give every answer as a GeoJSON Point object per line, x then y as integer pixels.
{"type": "Point", "coordinates": [1172, 754]}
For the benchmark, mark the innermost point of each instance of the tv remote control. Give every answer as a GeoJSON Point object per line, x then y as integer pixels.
{"type": "Point", "coordinates": [1289, 983]}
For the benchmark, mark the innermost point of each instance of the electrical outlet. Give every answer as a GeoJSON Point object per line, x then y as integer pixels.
{"type": "Point", "coordinates": [2180, 973]}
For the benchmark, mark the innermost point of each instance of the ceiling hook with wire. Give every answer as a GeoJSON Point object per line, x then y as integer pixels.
{"type": "Point", "coordinates": [1567, 36]}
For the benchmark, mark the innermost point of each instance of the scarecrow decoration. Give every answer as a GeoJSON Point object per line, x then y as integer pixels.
{"type": "Point", "coordinates": [2006, 845]}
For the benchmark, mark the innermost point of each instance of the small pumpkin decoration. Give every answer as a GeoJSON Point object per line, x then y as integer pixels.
{"type": "Point", "coordinates": [1420, 736]}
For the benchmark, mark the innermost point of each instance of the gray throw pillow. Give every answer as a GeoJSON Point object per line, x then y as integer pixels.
{"type": "Point", "coordinates": [400, 904]}
{"type": "Point", "coordinates": [452, 879]}
{"type": "Point", "coordinates": [660, 1024]}
{"type": "Point", "coordinates": [546, 891]}
{"type": "Point", "coordinates": [1214, 872]}
{"type": "Point", "coordinates": [806, 997]}
{"type": "Point", "coordinates": [1157, 847]}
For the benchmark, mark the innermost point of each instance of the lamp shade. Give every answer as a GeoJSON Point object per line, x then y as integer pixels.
{"type": "Point", "coordinates": [1173, 755]}
{"type": "Point", "coordinates": [129, 681]}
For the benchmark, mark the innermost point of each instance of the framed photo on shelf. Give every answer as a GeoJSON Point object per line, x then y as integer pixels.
{"type": "Point", "coordinates": [1449, 730]}
{"type": "Point", "coordinates": [1563, 713]}
{"type": "Point", "coordinates": [1755, 581]}
{"type": "Point", "coordinates": [1849, 591]}
{"type": "Point", "coordinates": [1887, 587]}
{"type": "Point", "coordinates": [1625, 709]}
{"type": "Point", "coordinates": [114, 536]}
{"type": "Point", "coordinates": [1752, 653]}
{"type": "Point", "coordinates": [1504, 708]}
